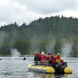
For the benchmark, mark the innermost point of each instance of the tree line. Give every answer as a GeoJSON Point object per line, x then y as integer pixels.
{"type": "Point", "coordinates": [39, 34]}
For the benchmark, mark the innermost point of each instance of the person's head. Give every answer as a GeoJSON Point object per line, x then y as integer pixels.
{"type": "Point", "coordinates": [36, 51]}
{"type": "Point", "coordinates": [58, 53]}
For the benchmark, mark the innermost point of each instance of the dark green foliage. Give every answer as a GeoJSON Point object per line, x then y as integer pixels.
{"type": "Point", "coordinates": [5, 50]}
{"type": "Point", "coordinates": [57, 47]}
{"type": "Point", "coordinates": [42, 30]}
{"type": "Point", "coordinates": [22, 46]}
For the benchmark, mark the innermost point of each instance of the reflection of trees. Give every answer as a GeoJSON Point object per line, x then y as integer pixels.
{"type": "Point", "coordinates": [67, 75]}
{"type": "Point", "coordinates": [49, 76]}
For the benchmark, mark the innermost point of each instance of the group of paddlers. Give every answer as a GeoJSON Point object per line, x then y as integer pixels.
{"type": "Point", "coordinates": [49, 59]}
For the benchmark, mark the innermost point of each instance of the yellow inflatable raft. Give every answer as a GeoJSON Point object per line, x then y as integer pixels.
{"type": "Point", "coordinates": [48, 69]}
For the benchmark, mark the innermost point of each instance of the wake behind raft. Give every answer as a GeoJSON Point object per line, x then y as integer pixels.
{"type": "Point", "coordinates": [57, 68]}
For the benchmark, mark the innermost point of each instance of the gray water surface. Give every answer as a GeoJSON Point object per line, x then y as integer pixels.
{"type": "Point", "coordinates": [16, 67]}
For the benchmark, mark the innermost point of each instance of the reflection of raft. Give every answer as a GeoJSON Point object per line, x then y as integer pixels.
{"type": "Point", "coordinates": [49, 69]}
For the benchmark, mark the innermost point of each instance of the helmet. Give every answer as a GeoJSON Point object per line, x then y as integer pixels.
{"type": "Point", "coordinates": [42, 53]}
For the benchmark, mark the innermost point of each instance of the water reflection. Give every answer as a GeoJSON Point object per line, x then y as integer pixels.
{"type": "Point", "coordinates": [67, 75]}
{"type": "Point", "coordinates": [41, 75]}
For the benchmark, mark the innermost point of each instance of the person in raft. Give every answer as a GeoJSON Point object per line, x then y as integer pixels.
{"type": "Point", "coordinates": [58, 57]}
{"type": "Point", "coordinates": [51, 60]}
{"type": "Point", "coordinates": [44, 59]}
{"type": "Point", "coordinates": [59, 62]}
{"type": "Point", "coordinates": [36, 54]}
{"type": "Point", "coordinates": [39, 58]}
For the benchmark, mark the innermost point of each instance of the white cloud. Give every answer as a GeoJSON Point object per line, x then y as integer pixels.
{"type": "Point", "coordinates": [49, 6]}
{"type": "Point", "coordinates": [14, 11]}
{"type": "Point", "coordinates": [28, 10]}
{"type": "Point", "coordinates": [68, 13]}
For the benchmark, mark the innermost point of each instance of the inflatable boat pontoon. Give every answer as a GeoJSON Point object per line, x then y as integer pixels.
{"type": "Point", "coordinates": [49, 69]}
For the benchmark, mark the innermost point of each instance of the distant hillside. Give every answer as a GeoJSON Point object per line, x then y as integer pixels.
{"type": "Point", "coordinates": [41, 30]}
{"type": "Point", "coordinates": [46, 28]}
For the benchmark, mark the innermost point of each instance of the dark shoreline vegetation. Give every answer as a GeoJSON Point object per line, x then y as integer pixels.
{"type": "Point", "coordinates": [46, 34]}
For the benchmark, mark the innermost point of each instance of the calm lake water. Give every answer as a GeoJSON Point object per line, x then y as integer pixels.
{"type": "Point", "coordinates": [16, 67]}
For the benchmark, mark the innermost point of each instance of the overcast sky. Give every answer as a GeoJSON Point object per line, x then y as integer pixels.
{"type": "Point", "coordinates": [28, 10]}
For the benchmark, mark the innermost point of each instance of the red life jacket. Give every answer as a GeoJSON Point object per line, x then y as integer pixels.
{"type": "Point", "coordinates": [61, 61]}
{"type": "Point", "coordinates": [44, 58]}
{"type": "Point", "coordinates": [53, 59]}
{"type": "Point", "coordinates": [39, 56]}
{"type": "Point", "coordinates": [50, 57]}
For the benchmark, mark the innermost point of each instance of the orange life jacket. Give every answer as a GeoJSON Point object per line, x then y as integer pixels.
{"type": "Point", "coordinates": [35, 54]}
{"type": "Point", "coordinates": [58, 56]}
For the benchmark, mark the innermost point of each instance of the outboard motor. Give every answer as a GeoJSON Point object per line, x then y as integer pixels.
{"type": "Point", "coordinates": [59, 68]}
